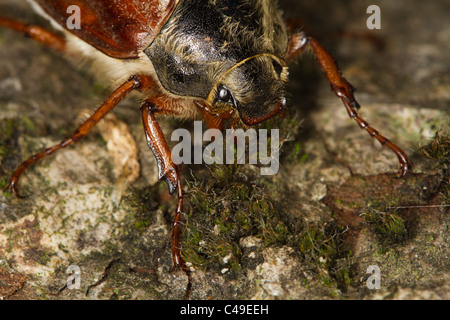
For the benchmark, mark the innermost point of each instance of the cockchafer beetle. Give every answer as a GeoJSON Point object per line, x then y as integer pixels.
{"type": "Point", "coordinates": [227, 60]}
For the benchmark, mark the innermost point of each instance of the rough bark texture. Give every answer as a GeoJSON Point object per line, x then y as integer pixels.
{"type": "Point", "coordinates": [310, 232]}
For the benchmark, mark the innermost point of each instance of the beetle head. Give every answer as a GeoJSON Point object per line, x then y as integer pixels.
{"type": "Point", "coordinates": [254, 87]}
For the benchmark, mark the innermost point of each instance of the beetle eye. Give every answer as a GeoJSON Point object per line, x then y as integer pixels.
{"type": "Point", "coordinates": [224, 95]}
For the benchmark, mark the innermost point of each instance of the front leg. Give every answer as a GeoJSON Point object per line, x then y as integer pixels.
{"type": "Point", "coordinates": [133, 83]}
{"type": "Point", "coordinates": [168, 171]}
{"type": "Point", "coordinates": [342, 88]}
{"type": "Point", "coordinates": [157, 143]}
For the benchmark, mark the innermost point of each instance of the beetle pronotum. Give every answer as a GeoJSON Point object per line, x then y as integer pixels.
{"type": "Point", "coordinates": [227, 60]}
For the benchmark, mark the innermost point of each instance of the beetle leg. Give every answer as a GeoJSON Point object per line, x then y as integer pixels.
{"type": "Point", "coordinates": [37, 33]}
{"type": "Point", "coordinates": [157, 143]}
{"type": "Point", "coordinates": [168, 171]}
{"type": "Point", "coordinates": [133, 83]}
{"type": "Point", "coordinates": [343, 89]}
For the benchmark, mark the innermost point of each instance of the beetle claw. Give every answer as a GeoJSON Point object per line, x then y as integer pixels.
{"type": "Point", "coordinates": [12, 187]}
{"type": "Point", "coordinates": [171, 177]}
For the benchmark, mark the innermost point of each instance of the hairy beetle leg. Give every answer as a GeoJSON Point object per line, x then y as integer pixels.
{"type": "Point", "coordinates": [343, 89]}
{"type": "Point", "coordinates": [36, 33]}
{"type": "Point", "coordinates": [120, 93]}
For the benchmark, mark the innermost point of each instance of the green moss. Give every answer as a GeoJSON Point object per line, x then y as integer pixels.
{"type": "Point", "coordinates": [45, 256]}
{"type": "Point", "coordinates": [439, 150]}
{"type": "Point", "coordinates": [8, 128]}
{"type": "Point", "coordinates": [227, 205]}
{"type": "Point", "coordinates": [326, 281]}
{"type": "Point", "coordinates": [28, 124]}
{"type": "Point", "coordinates": [143, 204]}
{"type": "Point", "coordinates": [390, 227]}
{"type": "Point", "coordinates": [304, 158]}
{"type": "Point", "coordinates": [295, 152]}
{"type": "Point", "coordinates": [323, 247]}
{"type": "Point", "coordinates": [4, 182]}
{"type": "Point", "coordinates": [288, 127]}
{"type": "Point", "coordinates": [320, 244]}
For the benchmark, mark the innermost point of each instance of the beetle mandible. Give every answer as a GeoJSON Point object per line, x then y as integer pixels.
{"type": "Point", "coordinates": [227, 60]}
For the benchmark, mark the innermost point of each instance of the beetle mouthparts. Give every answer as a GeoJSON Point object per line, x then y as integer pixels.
{"type": "Point", "coordinates": [251, 121]}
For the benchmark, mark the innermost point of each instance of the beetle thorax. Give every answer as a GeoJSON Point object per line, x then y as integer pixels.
{"type": "Point", "coordinates": [204, 40]}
